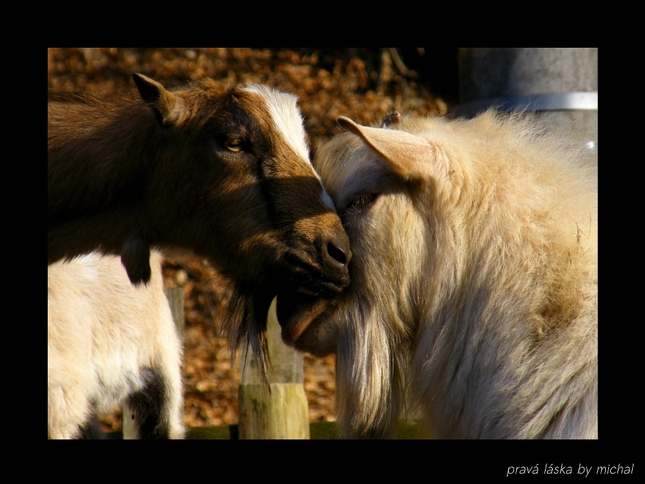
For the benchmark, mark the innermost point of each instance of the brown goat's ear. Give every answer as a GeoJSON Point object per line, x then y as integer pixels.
{"type": "Point", "coordinates": [408, 155]}
{"type": "Point", "coordinates": [135, 257]}
{"type": "Point", "coordinates": [166, 106]}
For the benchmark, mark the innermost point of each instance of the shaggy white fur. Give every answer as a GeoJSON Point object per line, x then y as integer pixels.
{"type": "Point", "coordinates": [473, 294]}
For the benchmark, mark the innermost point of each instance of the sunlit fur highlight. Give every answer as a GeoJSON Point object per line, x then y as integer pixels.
{"type": "Point", "coordinates": [286, 116]}
{"type": "Point", "coordinates": [473, 295]}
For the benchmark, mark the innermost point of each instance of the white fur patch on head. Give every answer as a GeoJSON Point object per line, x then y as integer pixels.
{"type": "Point", "coordinates": [287, 118]}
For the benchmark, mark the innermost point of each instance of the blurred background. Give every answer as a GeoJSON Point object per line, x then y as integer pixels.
{"type": "Point", "coordinates": [363, 84]}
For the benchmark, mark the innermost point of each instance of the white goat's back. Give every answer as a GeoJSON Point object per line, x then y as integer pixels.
{"type": "Point", "coordinates": [103, 332]}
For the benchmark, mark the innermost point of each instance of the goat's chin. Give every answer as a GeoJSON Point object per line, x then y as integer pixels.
{"type": "Point", "coordinates": [305, 322]}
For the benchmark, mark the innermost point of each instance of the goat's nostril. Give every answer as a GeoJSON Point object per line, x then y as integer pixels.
{"type": "Point", "coordinates": [338, 255]}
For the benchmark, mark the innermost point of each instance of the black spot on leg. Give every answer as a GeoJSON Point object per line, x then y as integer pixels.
{"type": "Point", "coordinates": [149, 407]}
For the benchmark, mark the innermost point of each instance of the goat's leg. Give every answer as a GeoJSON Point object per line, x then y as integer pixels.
{"type": "Point", "coordinates": [68, 411]}
{"type": "Point", "coordinates": [148, 407]}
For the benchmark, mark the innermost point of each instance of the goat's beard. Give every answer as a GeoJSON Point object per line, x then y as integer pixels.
{"type": "Point", "coordinates": [372, 359]}
{"type": "Point", "coordinates": [246, 322]}
{"type": "Point", "coordinates": [246, 314]}
{"type": "Point", "coordinates": [371, 370]}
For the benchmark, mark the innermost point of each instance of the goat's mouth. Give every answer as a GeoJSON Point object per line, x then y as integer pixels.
{"type": "Point", "coordinates": [301, 294]}
{"type": "Point", "coordinates": [304, 288]}
{"type": "Point", "coordinates": [302, 304]}
{"type": "Point", "coordinates": [300, 313]}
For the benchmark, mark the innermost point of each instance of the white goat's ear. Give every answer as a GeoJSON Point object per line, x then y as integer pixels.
{"type": "Point", "coordinates": [167, 107]}
{"type": "Point", "coordinates": [408, 155]}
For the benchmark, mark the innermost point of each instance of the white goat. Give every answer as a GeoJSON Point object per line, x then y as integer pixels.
{"type": "Point", "coordinates": [473, 290]}
{"type": "Point", "coordinates": [110, 342]}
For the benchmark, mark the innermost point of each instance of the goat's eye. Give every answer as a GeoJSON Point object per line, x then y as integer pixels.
{"type": "Point", "coordinates": [234, 145]}
{"type": "Point", "coordinates": [360, 202]}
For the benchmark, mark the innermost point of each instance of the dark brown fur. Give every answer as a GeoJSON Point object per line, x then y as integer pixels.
{"type": "Point", "coordinates": [136, 171]}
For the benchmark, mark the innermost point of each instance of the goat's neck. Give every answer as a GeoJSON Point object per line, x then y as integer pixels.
{"type": "Point", "coordinates": [95, 176]}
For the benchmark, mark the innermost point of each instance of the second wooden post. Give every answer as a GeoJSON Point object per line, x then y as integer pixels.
{"type": "Point", "coordinates": [278, 410]}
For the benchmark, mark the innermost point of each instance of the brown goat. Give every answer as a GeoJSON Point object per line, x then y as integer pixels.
{"type": "Point", "coordinates": [474, 280]}
{"type": "Point", "coordinates": [222, 171]}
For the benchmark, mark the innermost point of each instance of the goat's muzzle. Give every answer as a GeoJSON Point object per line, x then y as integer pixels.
{"type": "Point", "coordinates": [319, 268]}
{"type": "Point", "coordinates": [301, 307]}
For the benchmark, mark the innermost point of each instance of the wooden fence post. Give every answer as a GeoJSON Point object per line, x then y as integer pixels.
{"type": "Point", "coordinates": [175, 296]}
{"type": "Point", "coordinates": [279, 410]}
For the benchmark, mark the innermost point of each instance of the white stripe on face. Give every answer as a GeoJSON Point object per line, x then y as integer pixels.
{"type": "Point", "coordinates": [288, 120]}
{"type": "Point", "coordinates": [286, 116]}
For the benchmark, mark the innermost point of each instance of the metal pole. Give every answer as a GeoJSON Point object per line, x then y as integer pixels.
{"type": "Point", "coordinates": [559, 84]}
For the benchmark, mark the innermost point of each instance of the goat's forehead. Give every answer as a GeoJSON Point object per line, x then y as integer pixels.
{"type": "Point", "coordinates": [285, 115]}
{"type": "Point", "coordinates": [287, 119]}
